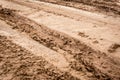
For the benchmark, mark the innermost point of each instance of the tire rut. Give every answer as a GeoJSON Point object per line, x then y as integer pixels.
{"type": "Point", "coordinates": [96, 5]}
{"type": "Point", "coordinates": [17, 63]}
{"type": "Point", "coordinates": [95, 64]}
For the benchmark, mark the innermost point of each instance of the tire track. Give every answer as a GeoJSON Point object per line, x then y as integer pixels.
{"type": "Point", "coordinates": [64, 12]}
{"type": "Point", "coordinates": [17, 63]}
{"type": "Point", "coordinates": [103, 5]}
{"type": "Point", "coordinates": [98, 64]}
{"type": "Point", "coordinates": [52, 57]}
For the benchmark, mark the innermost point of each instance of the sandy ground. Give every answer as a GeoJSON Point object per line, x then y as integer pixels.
{"type": "Point", "coordinates": [72, 22]}
{"type": "Point", "coordinates": [74, 44]}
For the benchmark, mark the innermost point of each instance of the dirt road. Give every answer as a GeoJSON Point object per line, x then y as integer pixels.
{"type": "Point", "coordinates": [44, 41]}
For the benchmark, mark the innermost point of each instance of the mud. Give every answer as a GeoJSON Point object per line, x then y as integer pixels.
{"type": "Point", "coordinates": [95, 64]}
